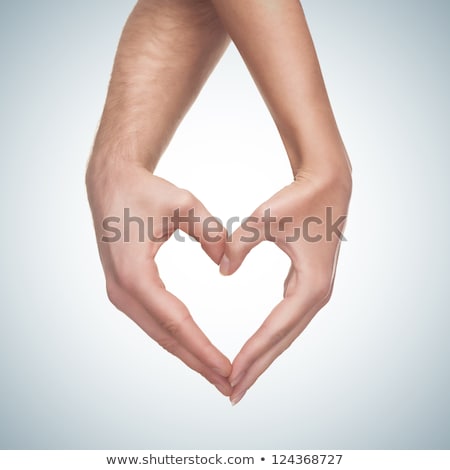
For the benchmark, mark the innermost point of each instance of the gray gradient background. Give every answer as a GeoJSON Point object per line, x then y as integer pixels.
{"type": "Point", "coordinates": [371, 371]}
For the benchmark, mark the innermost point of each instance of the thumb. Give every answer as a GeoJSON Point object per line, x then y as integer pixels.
{"type": "Point", "coordinates": [197, 221]}
{"type": "Point", "coordinates": [248, 235]}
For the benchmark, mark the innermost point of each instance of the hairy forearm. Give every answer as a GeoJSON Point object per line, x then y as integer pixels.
{"type": "Point", "coordinates": [274, 40]}
{"type": "Point", "coordinates": [166, 52]}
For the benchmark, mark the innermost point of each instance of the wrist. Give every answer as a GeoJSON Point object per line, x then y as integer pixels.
{"type": "Point", "coordinates": [120, 147]}
{"type": "Point", "coordinates": [329, 174]}
{"type": "Point", "coordinates": [105, 171]}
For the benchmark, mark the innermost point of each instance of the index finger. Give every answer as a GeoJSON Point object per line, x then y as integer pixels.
{"type": "Point", "coordinates": [173, 316]}
{"type": "Point", "coordinates": [284, 324]}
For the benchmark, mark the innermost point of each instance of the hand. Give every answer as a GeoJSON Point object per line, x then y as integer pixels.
{"type": "Point", "coordinates": [296, 220]}
{"type": "Point", "coordinates": [132, 279]}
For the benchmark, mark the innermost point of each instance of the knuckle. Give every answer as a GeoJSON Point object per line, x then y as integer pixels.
{"type": "Point", "coordinates": [168, 343]}
{"type": "Point", "coordinates": [114, 293]}
{"type": "Point", "coordinates": [186, 200]}
{"type": "Point", "coordinates": [275, 334]}
{"type": "Point", "coordinates": [259, 213]}
{"type": "Point", "coordinates": [278, 335]}
{"type": "Point", "coordinates": [125, 280]}
{"type": "Point", "coordinates": [174, 326]}
{"type": "Point", "coordinates": [125, 275]}
{"type": "Point", "coordinates": [322, 287]}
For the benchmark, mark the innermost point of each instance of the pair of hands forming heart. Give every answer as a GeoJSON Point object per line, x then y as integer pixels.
{"type": "Point", "coordinates": [166, 52]}
{"type": "Point", "coordinates": [296, 219]}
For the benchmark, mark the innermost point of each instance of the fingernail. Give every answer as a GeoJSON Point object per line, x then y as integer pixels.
{"type": "Point", "coordinates": [236, 399]}
{"type": "Point", "coordinates": [225, 265]}
{"type": "Point", "coordinates": [221, 372]}
{"type": "Point", "coordinates": [236, 380]}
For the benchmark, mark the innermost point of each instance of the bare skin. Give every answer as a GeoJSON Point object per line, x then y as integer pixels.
{"type": "Point", "coordinates": [274, 40]}
{"type": "Point", "coordinates": [167, 51]}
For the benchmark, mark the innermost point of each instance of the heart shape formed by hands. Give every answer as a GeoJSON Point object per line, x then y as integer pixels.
{"type": "Point", "coordinates": [137, 214]}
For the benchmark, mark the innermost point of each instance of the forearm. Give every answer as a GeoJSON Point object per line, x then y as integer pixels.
{"type": "Point", "coordinates": [273, 38]}
{"type": "Point", "coordinates": [166, 52]}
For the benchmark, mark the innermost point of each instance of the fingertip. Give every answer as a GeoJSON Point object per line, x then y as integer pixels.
{"type": "Point", "coordinates": [236, 379]}
{"type": "Point", "coordinates": [215, 248]}
{"type": "Point", "coordinates": [236, 398]}
{"type": "Point", "coordinates": [225, 266]}
{"type": "Point", "coordinates": [216, 257]}
{"type": "Point", "coordinates": [224, 389]}
{"type": "Point", "coordinates": [229, 263]}
{"type": "Point", "coordinates": [233, 257]}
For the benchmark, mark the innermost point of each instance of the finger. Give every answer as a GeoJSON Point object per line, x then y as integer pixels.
{"type": "Point", "coordinates": [174, 318]}
{"type": "Point", "coordinates": [197, 221]}
{"type": "Point", "coordinates": [285, 323]}
{"type": "Point", "coordinates": [261, 364]}
{"type": "Point", "coordinates": [135, 311]}
{"type": "Point", "coordinates": [248, 235]}
{"type": "Point", "coordinates": [289, 283]}
{"type": "Point", "coordinates": [281, 321]}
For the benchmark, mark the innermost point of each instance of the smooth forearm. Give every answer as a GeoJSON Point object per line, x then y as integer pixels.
{"type": "Point", "coordinates": [275, 42]}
